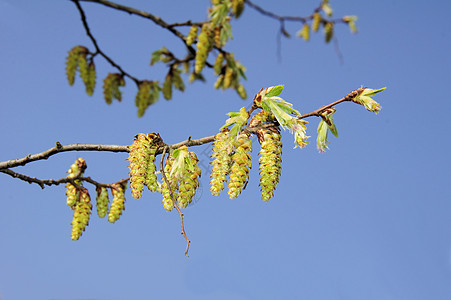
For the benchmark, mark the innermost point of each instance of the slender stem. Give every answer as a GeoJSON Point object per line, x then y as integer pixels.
{"type": "Point", "coordinates": [157, 20]}
{"type": "Point", "coordinates": [174, 201]}
{"type": "Point", "coordinates": [274, 16]}
{"type": "Point", "coordinates": [348, 97]}
{"type": "Point", "coordinates": [120, 148]}
{"type": "Point", "coordinates": [96, 45]}
{"type": "Point", "coordinates": [43, 182]}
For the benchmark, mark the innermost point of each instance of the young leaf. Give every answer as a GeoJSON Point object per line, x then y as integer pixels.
{"type": "Point", "coordinates": [274, 91]}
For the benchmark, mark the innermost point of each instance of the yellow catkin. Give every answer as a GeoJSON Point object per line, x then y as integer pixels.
{"type": "Point", "coordinates": [81, 216]}
{"type": "Point", "coordinates": [168, 204]}
{"type": "Point", "coordinates": [138, 158]}
{"type": "Point", "coordinates": [118, 203]}
{"type": "Point", "coordinates": [72, 192]}
{"type": "Point", "coordinates": [316, 21]}
{"type": "Point", "coordinates": [204, 46]}
{"type": "Point", "coordinates": [241, 164]}
{"type": "Point", "coordinates": [270, 160]}
{"type": "Point", "coordinates": [188, 183]}
{"type": "Point", "coordinates": [102, 201]}
{"type": "Point", "coordinates": [111, 85]}
{"type": "Point", "coordinates": [72, 62]}
{"type": "Point", "coordinates": [221, 162]}
{"type": "Point", "coordinates": [191, 37]}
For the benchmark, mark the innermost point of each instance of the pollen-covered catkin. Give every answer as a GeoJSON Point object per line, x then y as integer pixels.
{"type": "Point", "coordinates": [167, 201]}
{"type": "Point", "coordinates": [270, 160]}
{"type": "Point", "coordinates": [221, 162]}
{"type": "Point", "coordinates": [72, 62]}
{"type": "Point", "coordinates": [139, 158]}
{"type": "Point", "coordinates": [151, 177]}
{"type": "Point", "coordinates": [270, 153]}
{"type": "Point", "coordinates": [118, 203]}
{"type": "Point", "coordinates": [142, 163]}
{"type": "Point", "coordinates": [72, 193]}
{"type": "Point", "coordinates": [111, 85]}
{"type": "Point", "coordinates": [218, 63]}
{"type": "Point", "coordinates": [189, 183]}
{"type": "Point", "coordinates": [241, 164]}
{"type": "Point", "coordinates": [102, 201]}
{"type": "Point", "coordinates": [82, 213]}
{"type": "Point", "coordinates": [204, 46]}
{"type": "Point", "coordinates": [191, 37]}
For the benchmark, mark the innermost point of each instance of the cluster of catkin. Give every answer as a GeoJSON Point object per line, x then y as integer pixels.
{"type": "Point", "coordinates": [231, 158]}
{"type": "Point", "coordinates": [142, 163]}
{"type": "Point", "coordinates": [182, 178]}
{"type": "Point", "coordinates": [79, 60]}
{"type": "Point", "coordinates": [79, 200]}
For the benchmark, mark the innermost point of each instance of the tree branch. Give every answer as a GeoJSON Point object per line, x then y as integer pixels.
{"type": "Point", "coordinates": [120, 148]}
{"type": "Point", "coordinates": [157, 20]}
{"type": "Point", "coordinates": [61, 148]}
{"type": "Point", "coordinates": [348, 97]}
{"type": "Point", "coordinates": [43, 182]}
{"type": "Point", "coordinates": [96, 45]}
{"type": "Point", "coordinates": [288, 18]}
{"type": "Point", "coordinates": [277, 17]}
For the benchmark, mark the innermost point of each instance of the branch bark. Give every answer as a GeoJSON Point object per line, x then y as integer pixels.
{"type": "Point", "coordinates": [122, 148]}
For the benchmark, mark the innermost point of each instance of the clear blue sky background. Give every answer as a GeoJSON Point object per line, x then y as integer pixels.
{"type": "Point", "coordinates": [369, 219]}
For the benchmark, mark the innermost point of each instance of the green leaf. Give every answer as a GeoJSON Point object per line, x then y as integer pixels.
{"type": "Point", "coordinates": [156, 57]}
{"type": "Point", "coordinates": [331, 125]}
{"type": "Point", "coordinates": [237, 120]}
{"type": "Point", "coordinates": [322, 141]}
{"type": "Point", "coordinates": [374, 92]}
{"type": "Point", "coordinates": [275, 91]}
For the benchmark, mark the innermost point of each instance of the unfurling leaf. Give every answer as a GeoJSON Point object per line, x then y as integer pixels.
{"type": "Point", "coordinates": [322, 141]}
{"type": "Point", "coordinates": [163, 55]}
{"type": "Point", "coordinates": [238, 120]}
{"type": "Point", "coordinates": [327, 116]}
{"type": "Point", "coordinates": [364, 98]}
{"type": "Point", "coordinates": [327, 9]}
{"type": "Point", "coordinates": [178, 81]}
{"type": "Point", "coordinates": [351, 22]}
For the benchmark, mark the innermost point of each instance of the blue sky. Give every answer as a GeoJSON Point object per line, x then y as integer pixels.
{"type": "Point", "coordinates": [368, 219]}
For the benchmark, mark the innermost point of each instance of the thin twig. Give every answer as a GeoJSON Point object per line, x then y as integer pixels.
{"type": "Point", "coordinates": [348, 97]}
{"type": "Point", "coordinates": [120, 148]}
{"type": "Point", "coordinates": [157, 20]}
{"type": "Point", "coordinates": [43, 182]}
{"type": "Point", "coordinates": [61, 148]}
{"type": "Point", "coordinates": [277, 17]}
{"type": "Point", "coordinates": [96, 45]}
{"type": "Point", "coordinates": [174, 201]}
